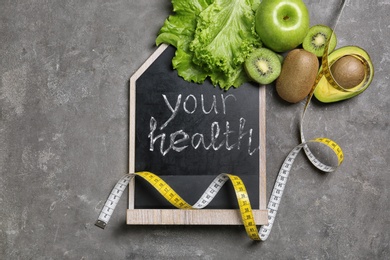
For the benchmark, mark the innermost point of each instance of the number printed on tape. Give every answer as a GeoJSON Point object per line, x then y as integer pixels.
{"type": "Point", "coordinates": [241, 193]}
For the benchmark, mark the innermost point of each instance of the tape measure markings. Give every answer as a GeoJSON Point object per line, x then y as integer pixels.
{"type": "Point", "coordinates": [165, 190]}
{"type": "Point", "coordinates": [281, 180]}
{"type": "Point", "coordinates": [212, 190]}
{"type": "Point", "coordinates": [241, 193]}
{"type": "Point", "coordinates": [112, 201]}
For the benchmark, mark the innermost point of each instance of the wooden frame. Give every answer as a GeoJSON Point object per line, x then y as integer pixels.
{"type": "Point", "coordinates": [191, 217]}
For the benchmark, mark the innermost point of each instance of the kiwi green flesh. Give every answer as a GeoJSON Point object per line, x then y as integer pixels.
{"type": "Point", "coordinates": [263, 66]}
{"type": "Point", "coordinates": [325, 93]}
{"type": "Point", "coordinates": [317, 38]}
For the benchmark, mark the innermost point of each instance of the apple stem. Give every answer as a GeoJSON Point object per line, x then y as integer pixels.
{"type": "Point", "coordinates": [286, 17]}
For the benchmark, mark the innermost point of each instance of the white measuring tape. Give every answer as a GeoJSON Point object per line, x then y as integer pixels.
{"type": "Point", "coordinates": [215, 186]}
{"type": "Point", "coordinates": [241, 193]}
{"type": "Point", "coordinates": [164, 189]}
{"type": "Point", "coordinates": [284, 172]}
{"type": "Point", "coordinates": [112, 201]}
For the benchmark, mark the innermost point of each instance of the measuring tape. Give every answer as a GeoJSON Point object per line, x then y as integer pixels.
{"type": "Point", "coordinates": [170, 195]}
{"type": "Point", "coordinates": [241, 193]}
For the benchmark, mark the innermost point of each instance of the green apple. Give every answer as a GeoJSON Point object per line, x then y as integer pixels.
{"type": "Point", "coordinates": [282, 24]}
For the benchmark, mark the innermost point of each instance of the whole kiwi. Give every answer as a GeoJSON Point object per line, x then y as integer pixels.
{"type": "Point", "coordinates": [298, 74]}
{"type": "Point", "coordinates": [348, 71]}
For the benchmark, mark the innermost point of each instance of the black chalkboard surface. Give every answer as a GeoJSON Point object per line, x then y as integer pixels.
{"type": "Point", "coordinates": [188, 133]}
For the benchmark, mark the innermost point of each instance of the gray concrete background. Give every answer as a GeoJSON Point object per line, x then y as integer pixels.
{"type": "Point", "coordinates": [64, 74]}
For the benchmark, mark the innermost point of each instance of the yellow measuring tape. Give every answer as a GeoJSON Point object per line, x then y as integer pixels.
{"type": "Point", "coordinates": [243, 201]}
{"type": "Point", "coordinates": [241, 193]}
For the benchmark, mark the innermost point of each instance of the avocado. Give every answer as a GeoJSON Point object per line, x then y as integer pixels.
{"type": "Point", "coordinates": [326, 93]}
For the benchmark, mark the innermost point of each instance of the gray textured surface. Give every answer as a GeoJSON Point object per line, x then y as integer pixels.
{"type": "Point", "coordinates": [63, 142]}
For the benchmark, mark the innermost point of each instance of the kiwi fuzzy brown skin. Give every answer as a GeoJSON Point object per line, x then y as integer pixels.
{"type": "Point", "coordinates": [348, 71]}
{"type": "Point", "coordinates": [297, 76]}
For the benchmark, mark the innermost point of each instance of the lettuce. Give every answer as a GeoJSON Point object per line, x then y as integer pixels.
{"type": "Point", "coordinates": [212, 39]}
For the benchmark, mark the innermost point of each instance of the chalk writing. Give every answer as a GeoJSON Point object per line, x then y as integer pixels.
{"type": "Point", "coordinates": [219, 136]}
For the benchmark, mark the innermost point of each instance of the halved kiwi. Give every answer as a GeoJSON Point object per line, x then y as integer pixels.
{"type": "Point", "coordinates": [263, 66]}
{"type": "Point", "coordinates": [316, 39]}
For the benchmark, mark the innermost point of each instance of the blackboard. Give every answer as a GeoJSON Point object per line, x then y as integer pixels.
{"type": "Point", "coordinates": [188, 133]}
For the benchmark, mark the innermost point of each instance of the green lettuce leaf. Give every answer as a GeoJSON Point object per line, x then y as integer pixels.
{"type": "Point", "coordinates": [212, 38]}
{"type": "Point", "coordinates": [178, 30]}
